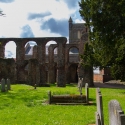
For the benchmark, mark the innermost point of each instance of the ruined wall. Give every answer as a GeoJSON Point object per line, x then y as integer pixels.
{"type": "Point", "coordinates": [33, 72]}
{"type": "Point", "coordinates": [41, 42]}
{"type": "Point", "coordinates": [8, 69]}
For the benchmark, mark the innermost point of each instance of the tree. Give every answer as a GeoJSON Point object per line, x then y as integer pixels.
{"type": "Point", "coordinates": [106, 21]}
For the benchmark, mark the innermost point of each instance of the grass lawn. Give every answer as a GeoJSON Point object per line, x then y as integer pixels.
{"type": "Point", "coordinates": [24, 105]}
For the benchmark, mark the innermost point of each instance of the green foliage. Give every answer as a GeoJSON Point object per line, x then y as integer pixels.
{"type": "Point", "coordinates": [88, 58]}
{"type": "Point", "coordinates": [118, 68]}
{"type": "Point", "coordinates": [106, 22]}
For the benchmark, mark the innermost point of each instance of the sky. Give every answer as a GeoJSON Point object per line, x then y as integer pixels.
{"type": "Point", "coordinates": [36, 18]}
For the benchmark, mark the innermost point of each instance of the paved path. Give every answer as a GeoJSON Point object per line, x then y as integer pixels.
{"type": "Point", "coordinates": [110, 85]}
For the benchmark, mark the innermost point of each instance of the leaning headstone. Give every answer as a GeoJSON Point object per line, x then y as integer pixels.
{"type": "Point", "coordinates": [87, 92]}
{"type": "Point", "coordinates": [116, 115]}
{"type": "Point", "coordinates": [8, 84]}
{"type": "Point", "coordinates": [80, 85]}
{"type": "Point", "coordinates": [99, 105]}
{"type": "Point", "coordinates": [3, 89]}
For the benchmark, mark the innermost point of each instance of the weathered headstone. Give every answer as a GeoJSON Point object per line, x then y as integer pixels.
{"type": "Point", "coordinates": [80, 83]}
{"type": "Point", "coordinates": [3, 89]}
{"type": "Point", "coordinates": [99, 105]}
{"type": "Point", "coordinates": [97, 117]}
{"type": "Point", "coordinates": [8, 84]}
{"type": "Point", "coordinates": [87, 92]}
{"type": "Point", "coordinates": [116, 115]}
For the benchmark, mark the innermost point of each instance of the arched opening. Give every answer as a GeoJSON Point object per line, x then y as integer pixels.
{"type": "Point", "coordinates": [73, 57]}
{"type": "Point", "coordinates": [10, 50]}
{"type": "Point", "coordinates": [73, 60]}
{"type": "Point", "coordinates": [29, 49]}
{"type": "Point", "coordinates": [29, 52]}
{"type": "Point", "coordinates": [74, 50]}
{"type": "Point", "coordinates": [51, 60]}
{"type": "Point", "coordinates": [47, 49]}
{"type": "Point", "coordinates": [7, 66]}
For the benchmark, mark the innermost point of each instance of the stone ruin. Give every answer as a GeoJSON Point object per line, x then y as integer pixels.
{"type": "Point", "coordinates": [36, 70]}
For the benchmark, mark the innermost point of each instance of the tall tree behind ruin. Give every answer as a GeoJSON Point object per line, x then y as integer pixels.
{"type": "Point", "coordinates": [106, 21]}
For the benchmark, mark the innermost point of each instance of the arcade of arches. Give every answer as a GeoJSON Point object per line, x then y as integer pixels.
{"type": "Point", "coordinates": [36, 70]}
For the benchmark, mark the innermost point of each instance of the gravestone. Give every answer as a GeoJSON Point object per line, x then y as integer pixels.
{"type": "Point", "coordinates": [3, 85]}
{"type": "Point", "coordinates": [99, 112]}
{"type": "Point", "coordinates": [8, 84]}
{"type": "Point", "coordinates": [97, 117]}
{"type": "Point", "coordinates": [80, 84]}
{"type": "Point", "coordinates": [116, 115]}
{"type": "Point", "coordinates": [87, 92]}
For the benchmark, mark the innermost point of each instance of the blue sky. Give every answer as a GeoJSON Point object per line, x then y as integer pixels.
{"type": "Point", "coordinates": [37, 18]}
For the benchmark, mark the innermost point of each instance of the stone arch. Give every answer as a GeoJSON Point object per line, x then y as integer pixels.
{"type": "Point", "coordinates": [41, 42]}
{"type": "Point", "coordinates": [68, 63]}
{"type": "Point", "coordinates": [50, 57]}
{"type": "Point", "coordinates": [30, 49]}
{"type": "Point", "coordinates": [10, 49]}
{"type": "Point", "coordinates": [67, 50]}
{"type": "Point", "coordinates": [3, 42]}
{"type": "Point", "coordinates": [73, 57]}
{"type": "Point", "coordinates": [48, 44]}
{"type": "Point", "coordinates": [52, 64]}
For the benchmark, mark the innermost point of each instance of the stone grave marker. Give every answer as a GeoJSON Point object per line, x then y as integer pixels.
{"type": "Point", "coordinates": [97, 117]}
{"type": "Point", "coordinates": [99, 113]}
{"type": "Point", "coordinates": [87, 92]}
{"type": "Point", "coordinates": [8, 84]}
{"type": "Point", "coordinates": [116, 115]}
{"type": "Point", "coordinates": [3, 85]}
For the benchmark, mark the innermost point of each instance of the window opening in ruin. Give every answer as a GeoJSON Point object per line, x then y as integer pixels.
{"type": "Point", "coordinates": [73, 56]}
{"type": "Point", "coordinates": [10, 50]}
{"type": "Point", "coordinates": [29, 49]}
{"type": "Point", "coordinates": [47, 50]}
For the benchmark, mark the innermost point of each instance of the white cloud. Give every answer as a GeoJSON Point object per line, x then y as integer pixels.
{"type": "Point", "coordinates": [79, 21]}
{"type": "Point", "coordinates": [17, 13]}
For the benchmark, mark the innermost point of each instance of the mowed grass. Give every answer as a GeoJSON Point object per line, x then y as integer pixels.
{"type": "Point", "coordinates": [24, 105]}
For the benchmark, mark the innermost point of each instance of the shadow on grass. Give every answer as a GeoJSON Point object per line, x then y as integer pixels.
{"type": "Point", "coordinates": [69, 85]}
